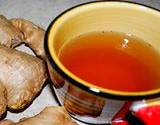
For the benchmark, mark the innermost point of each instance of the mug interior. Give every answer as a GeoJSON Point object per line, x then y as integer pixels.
{"type": "Point", "coordinates": [127, 18]}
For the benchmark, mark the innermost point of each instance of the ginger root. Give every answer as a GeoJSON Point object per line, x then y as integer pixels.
{"type": "Point", "coordinates": [3, 98]}
{"type": "Point", "coordinates": [33, 35]}
{"type": "Point", "coordinates": [49, 116]}
{"type": "Point", "coordinates": [15, 31]}
{"type": "Point", "coordinates": [6, 122]}
{"type": "Point", "coordinates": [21, 75]}
{"type": "Point", "coordinates": [9, 35]}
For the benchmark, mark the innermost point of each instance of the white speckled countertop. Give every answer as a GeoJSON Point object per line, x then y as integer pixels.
{"type": "Point", "coordinates": [42, 12]}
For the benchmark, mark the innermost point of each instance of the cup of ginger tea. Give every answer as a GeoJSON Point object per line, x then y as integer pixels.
{"type": "Point", "coordinates": [101, 54]}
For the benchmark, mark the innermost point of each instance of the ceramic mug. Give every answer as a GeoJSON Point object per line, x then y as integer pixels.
{"type": "Point", "coordinates": [85, 101]}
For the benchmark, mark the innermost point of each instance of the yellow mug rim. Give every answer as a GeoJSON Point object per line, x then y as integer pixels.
{"type": "Point", "coordinates": [103, 92]}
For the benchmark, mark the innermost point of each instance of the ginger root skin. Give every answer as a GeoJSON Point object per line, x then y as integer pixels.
{"type": "Point", "coordinates": [3, 99]}
{"type": "Point", "coordinates": [33, 35]}
{"type": "Point", "coordinates": [23, 76]}
{"type": "Point", "coordinates": [52, 115]}
{"type": "Point", "coordinates": [10, 36]}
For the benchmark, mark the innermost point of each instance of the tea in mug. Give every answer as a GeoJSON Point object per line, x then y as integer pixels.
{"type": "Point", "coordinates": [113, 60]}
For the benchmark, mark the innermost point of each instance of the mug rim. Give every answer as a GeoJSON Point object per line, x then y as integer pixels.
{"type": "Point", "coordinates": [102, 92]}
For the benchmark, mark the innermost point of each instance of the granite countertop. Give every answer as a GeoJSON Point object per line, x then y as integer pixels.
{"type": "Point", "coordinates": [42, 12]}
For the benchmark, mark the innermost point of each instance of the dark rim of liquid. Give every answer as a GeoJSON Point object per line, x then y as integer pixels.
{"type": "Point", "coordinates": [78, 84]}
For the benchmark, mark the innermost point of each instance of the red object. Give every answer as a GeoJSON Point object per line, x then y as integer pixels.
{"type": "Point", "coordinates": [120, 122]}
{"type": "Point", "coordinates": [122, 112]}
{"type": "Point", "coordinates": [119, 118]}
{"type": "Point", "coordinates": [149, 115]}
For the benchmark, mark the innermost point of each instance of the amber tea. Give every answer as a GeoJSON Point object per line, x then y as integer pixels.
{"type": "Point", "coordinates": [113, 61]}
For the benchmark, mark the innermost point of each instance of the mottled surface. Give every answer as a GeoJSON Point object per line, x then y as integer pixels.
{"type": "Point", "coordinates": [22, 75]}
{"type": "Point", "coordinates": [48, 116]}
{"type": "Point", "coordinates": [42, 12]}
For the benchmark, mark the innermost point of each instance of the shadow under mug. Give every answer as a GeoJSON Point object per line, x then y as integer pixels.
{"type": "Point", "coordinates": [84, 101]}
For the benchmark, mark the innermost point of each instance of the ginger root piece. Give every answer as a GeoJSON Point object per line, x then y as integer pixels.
{"type": "Point", "coordinates": [22, 75]}
{"type": "Point", "coordinates": [9, 35]}
{"type": "Point", "coordinates": [13, 32]}
{"type": "Point", "coordinates": [3, 98]}
{"type": "Point", "coordinates": [34, 38]}
{"type": "Point", "coordinates": [33, 35]}
{"type": "Point", "coordinates": [6, 122]}
{"type": "Point", "coordinates": [49, 116]}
